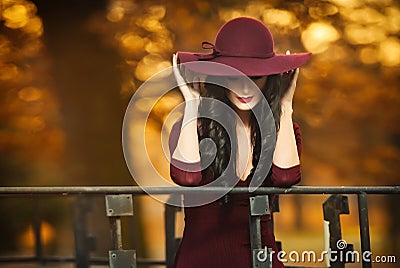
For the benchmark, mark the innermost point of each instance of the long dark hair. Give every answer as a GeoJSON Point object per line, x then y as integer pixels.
{"type": "Point", "coordinates": [225, 145]}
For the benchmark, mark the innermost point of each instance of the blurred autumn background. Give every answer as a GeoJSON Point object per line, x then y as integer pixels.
{"type": "Point", "coordinates": [68, 69]}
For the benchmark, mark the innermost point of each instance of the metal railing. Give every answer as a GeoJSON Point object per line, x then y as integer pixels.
{"type": "Point", "coordinates": [119, 204]}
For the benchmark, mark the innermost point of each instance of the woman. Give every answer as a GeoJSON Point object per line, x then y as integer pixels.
{"type": "Point", "coordinates": [217, 234]}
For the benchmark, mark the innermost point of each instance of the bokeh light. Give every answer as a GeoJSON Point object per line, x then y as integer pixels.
{"type": "Point", "coordinates": [389, 52]}
{"type": "Point", "coordinates": [15, 16]}
{"type": "Point", "coordinates": [317, 37]}
{"type": "Point", "coordinates": [281, 18]}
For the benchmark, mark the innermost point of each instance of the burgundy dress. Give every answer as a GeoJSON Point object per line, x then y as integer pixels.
{"type": "Point", "coordinates": [218, 236]}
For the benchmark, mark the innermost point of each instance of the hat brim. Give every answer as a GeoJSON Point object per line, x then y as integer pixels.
{"type": "Point", "coordinates": [279, 63]}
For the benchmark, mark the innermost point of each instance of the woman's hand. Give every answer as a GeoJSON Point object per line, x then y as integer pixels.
{"type": "Point", "coordinates": [189, 93]}
{"type": "Point", "coordinates": [291, 88]}
{"type": "Point", "coordinates": [289, 81]}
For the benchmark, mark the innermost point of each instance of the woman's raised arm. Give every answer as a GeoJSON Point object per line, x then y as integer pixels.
{"type": "Point", "coordinates": [286, 155]}
{"type": "Point", "coordinates": [187, 149]}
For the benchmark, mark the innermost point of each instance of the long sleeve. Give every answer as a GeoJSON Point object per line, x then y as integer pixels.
{"type": "Point", "coordinates": [184, 174]}
{"type": "Point", "coordinates": [286, 177]}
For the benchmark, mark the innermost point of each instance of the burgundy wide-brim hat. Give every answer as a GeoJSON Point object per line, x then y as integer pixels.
{"type": "Point", "coordinates": [246, 45]}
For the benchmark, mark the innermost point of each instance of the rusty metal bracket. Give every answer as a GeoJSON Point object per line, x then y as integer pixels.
{"type": "Point", "coordinates": [333, 207]}
{"type": "Point", "coordinates": [119, 205]}
{"type": "Point", "coordinates": [261, 257]}
{"type": "Point", "coordinates": [122, 258]}
{"type": "Point", "coordinates": [116, 207]}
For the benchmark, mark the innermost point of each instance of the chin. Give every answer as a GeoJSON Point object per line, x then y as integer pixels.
{"type": "Point", "coordinates": [244, 107]}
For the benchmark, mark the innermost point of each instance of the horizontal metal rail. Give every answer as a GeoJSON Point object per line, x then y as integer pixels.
{"type": "Point", "coordinates": [101, 190]}
{"type": "Point", "coordinates": [56, 259]}
{"type": "Point", "coordinates": [80, 191]}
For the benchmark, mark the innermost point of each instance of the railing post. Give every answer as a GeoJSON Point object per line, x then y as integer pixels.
{"type": "Point", "coordinates": [275, 208]}
{"type": "Point", "coordinates": [364, 230]}
{"type": "Point", "coordinates": [37, 227]}
{"type": "Point", "coordinates": [338, 248]}
{"type": "Point", "coordinates": [117, 206]}
{"type": "Point", "coordinates": [261, 257]}
{"type": "Point", "coordinates": [83, 243]}
{"type": "Point", "coordinates": [171, 241]}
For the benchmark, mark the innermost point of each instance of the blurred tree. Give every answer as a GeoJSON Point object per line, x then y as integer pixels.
{"type": "Point", "coordinates": [87, 83]}
{"type": "Point", "coordinates": [31, 141]}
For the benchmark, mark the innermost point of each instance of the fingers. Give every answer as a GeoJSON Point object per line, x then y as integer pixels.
{"type": "Point", "coordinates": [188, 92]}
{"type": "Point", "coordinates": [177, 73]}
{"type": "Point", "coordinates": [295, 72]}
{"type": "Point", "coordinates": [295, 75]}
{"type": "Point", "coordinates": [174, 61]}
{"type": "Point", "coordinates": [175, 64]}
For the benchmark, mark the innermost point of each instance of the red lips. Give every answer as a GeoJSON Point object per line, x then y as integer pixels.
{"type": "Point", "coordinates": [245, 100]}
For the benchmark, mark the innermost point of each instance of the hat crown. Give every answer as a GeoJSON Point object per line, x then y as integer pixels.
{"type": "Point", "coordinates": [246, 45]}
{"type": "Point", "coordinates": [245, 37]}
